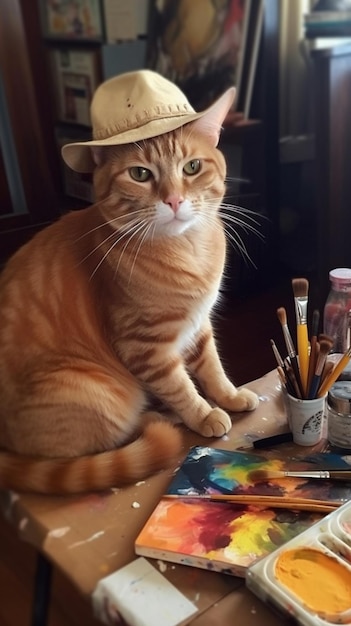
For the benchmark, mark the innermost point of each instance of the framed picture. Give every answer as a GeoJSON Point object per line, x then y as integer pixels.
{"type": "Point", "coordinates": [72, 19]}
{"type": "Point", "coordinates": [253, 36]}
{"type": "Point", "coordinates": [199, 44]}
{"type": "Point", "coordinates": [125, 21]}
{"type": "Point", "coordinates": [76, 75]}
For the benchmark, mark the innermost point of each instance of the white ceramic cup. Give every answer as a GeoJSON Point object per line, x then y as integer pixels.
{"type": "Point", "coordinates": [306, 419]}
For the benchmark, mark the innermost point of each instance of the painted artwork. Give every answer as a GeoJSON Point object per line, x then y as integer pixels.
{"type": "Point", "coordinates": [224, 536]}
{"type": "Point", "coordinates": [72, 19]}
{"type": "Point", "coordinates": [199, 44]}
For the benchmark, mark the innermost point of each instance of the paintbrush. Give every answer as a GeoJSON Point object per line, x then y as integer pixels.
{"type": "Point", "coordinates": [277, 354]}
{"type": "Point", "coordinates": [281, 369]}
{"type": "Point", "coordinates": [275, 502]}
{"type": "Point", "coordinates": [281, 312]}
{"type": "Point", "coordinates": [313, 353]}
{"type": "Point", "coordinates": [300, 289]}
{"type": "Point", "coordinates": [293, 387]}
{"type": "Point", "coordinates": [328, 368]}
{"type": "Point", "coordinates": [266, 475]}
{"type": "Point", "coordinates": [324, 350]}
{"type": "Point", "coordinates": [335, 373]}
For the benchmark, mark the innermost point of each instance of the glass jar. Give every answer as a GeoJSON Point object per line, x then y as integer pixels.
{"type": "Point", "coordinates": [339, 415]}
{"type": "Point", "coordinates": [337, 309]}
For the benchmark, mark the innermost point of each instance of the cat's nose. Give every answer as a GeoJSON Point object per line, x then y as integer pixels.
{"type": "Point", "coordinates": [174, 200]}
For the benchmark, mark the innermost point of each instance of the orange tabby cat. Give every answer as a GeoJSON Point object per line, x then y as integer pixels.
{"type": "Point", "coordinates": [111, 306]}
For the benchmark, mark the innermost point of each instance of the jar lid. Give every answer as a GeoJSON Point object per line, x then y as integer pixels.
{"type": "Point", "coordinates": [339, 396]}
{"type": "Point", "coordinates": [341, 274]}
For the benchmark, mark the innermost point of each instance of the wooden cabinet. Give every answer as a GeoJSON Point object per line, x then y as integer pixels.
{"type": "Point", "coordinates": [332, 89]}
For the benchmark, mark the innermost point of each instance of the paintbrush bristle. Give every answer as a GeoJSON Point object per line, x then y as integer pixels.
{"type": "Point", "coordinates": [260, 476]}
{"type": "Point", "coordinates": [315, 323]}
{"type": "Point", "coordinates": [324, 337]}
{"type": "Point", "coordinates": [325, 346]}
{"type": "Point", "coordinates": [281, 312]}
{"type": "Point", "coordinates": [300, 287]}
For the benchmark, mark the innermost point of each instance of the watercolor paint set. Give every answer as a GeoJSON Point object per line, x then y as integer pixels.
{"type": "Point", "coordinates": [308, 579]}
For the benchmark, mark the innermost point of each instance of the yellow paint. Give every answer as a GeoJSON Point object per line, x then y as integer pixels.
{"type": "Point", "coordinates": [321, 583]}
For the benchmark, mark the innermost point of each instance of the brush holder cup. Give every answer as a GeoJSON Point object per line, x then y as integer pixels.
{"type": "Point", "coordinates": [306, 419]}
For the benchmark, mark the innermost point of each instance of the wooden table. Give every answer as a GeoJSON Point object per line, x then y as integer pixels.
{"type": "Point", "coordinates": [89, 537]}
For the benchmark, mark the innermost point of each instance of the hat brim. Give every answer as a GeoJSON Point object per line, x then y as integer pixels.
{"type": "Point", "coordinates": [78, 155]}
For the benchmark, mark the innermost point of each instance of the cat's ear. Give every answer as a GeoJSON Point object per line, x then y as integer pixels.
{"type": "Point", "coordinates": [96, 154]}
{"type": "Point", "coordinates": [210, 124]}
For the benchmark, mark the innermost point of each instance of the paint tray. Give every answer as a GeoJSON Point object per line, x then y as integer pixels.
{"type": "Point", "coordinates": [326, 547]}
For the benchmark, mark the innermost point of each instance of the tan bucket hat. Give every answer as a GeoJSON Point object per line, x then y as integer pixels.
{"type": "Point", "coordinates": [132, 107]}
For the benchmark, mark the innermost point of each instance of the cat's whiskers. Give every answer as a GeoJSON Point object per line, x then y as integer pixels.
{"type": "Point", "coordinates": [236, 179]}
{"type": "Point", "coordinates": [115, 233]}
{"type": "Point", "coordinates": [142, 239]}
{"type": "Point", "coordinates": [237, 215]}
{"type": "Point", "coordinates": [135, 227]}
{"type": "Point", "coordinates": [237, 221]}
{"type": "Point", "coordinates": [108, 222]}
{"type": "Point", "coordinates": [234, 237]}
{"type": "Point", "coordinates": [137, 144]}
{"type": "Point", "coordinates": [137, 230]}
{"type": "Point", "coordinates": [232, 234]}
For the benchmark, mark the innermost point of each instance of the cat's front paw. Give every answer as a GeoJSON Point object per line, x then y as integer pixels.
{"type": "Point", "coordinates": [243, 400]}
{"type": "Point", "coordinates": [216, 424]}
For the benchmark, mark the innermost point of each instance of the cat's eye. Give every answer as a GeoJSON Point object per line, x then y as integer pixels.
{"type": "Point", "coordinates": [192, 167]}
{"type": "Point", "coordinates": [140, 174]}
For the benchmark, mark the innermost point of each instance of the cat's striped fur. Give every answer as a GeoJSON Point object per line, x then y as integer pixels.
{"type": "Point", "coordinates": [107, 307]}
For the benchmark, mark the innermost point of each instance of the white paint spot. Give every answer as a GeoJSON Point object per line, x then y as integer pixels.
{"type": "Point", "coordinates": [162, 566]}
{"type": "Point", "coordinates": [141, 482]}
{"type": "Point", "coordinates": [59, 532]}
{"type": "Point", "coordinates": [23, 523]}
{"type": "Point", "coordinates": [92, 538]}
{"type": "Point", "coordinates": [136, 505]}
{"type": "Point", "coordinates": [13, 497]}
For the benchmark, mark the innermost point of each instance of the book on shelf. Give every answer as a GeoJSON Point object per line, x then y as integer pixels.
{"type": "Point", "coordinates": [318, 43]}
{"type": "Point", "coordinates": [227, 537]}
{"type": "Point", "coordinates": [328, 24]}
{"type": "Point", "coordinates": [327, 17]}
{"type": "Point", "coordinates": [75, 75]}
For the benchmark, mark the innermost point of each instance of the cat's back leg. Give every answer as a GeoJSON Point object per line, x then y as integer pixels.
{"type": "Point", "coordinates": [77, 410]}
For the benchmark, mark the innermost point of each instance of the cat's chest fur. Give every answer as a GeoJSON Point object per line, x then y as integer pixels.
{"type": "Point", "coordinates": [168, 298]}
{"type": "Point", "coordinates": [194, 322]}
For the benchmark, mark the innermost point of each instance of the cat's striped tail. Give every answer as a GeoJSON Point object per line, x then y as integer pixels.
{"type": "Point", "coordinates": [157, 449]}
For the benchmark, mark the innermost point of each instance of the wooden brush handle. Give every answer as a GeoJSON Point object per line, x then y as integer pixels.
{"type": "Point", "coordinates": [340, 474]}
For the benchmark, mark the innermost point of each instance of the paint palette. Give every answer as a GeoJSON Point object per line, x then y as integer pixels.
{"type": "Point", "coordinates": [309, 577]}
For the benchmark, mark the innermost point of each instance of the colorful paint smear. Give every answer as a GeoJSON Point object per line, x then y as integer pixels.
{"type": "Point", "coordinates": [318, 580]}
{"type": "Point", "coordinates": [217, 532]}
{"type": "Point", "coordinates": [221, 535]}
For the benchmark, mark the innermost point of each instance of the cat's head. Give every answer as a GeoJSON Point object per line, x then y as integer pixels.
{"type": "Point", "coordinates": [164, 185]}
